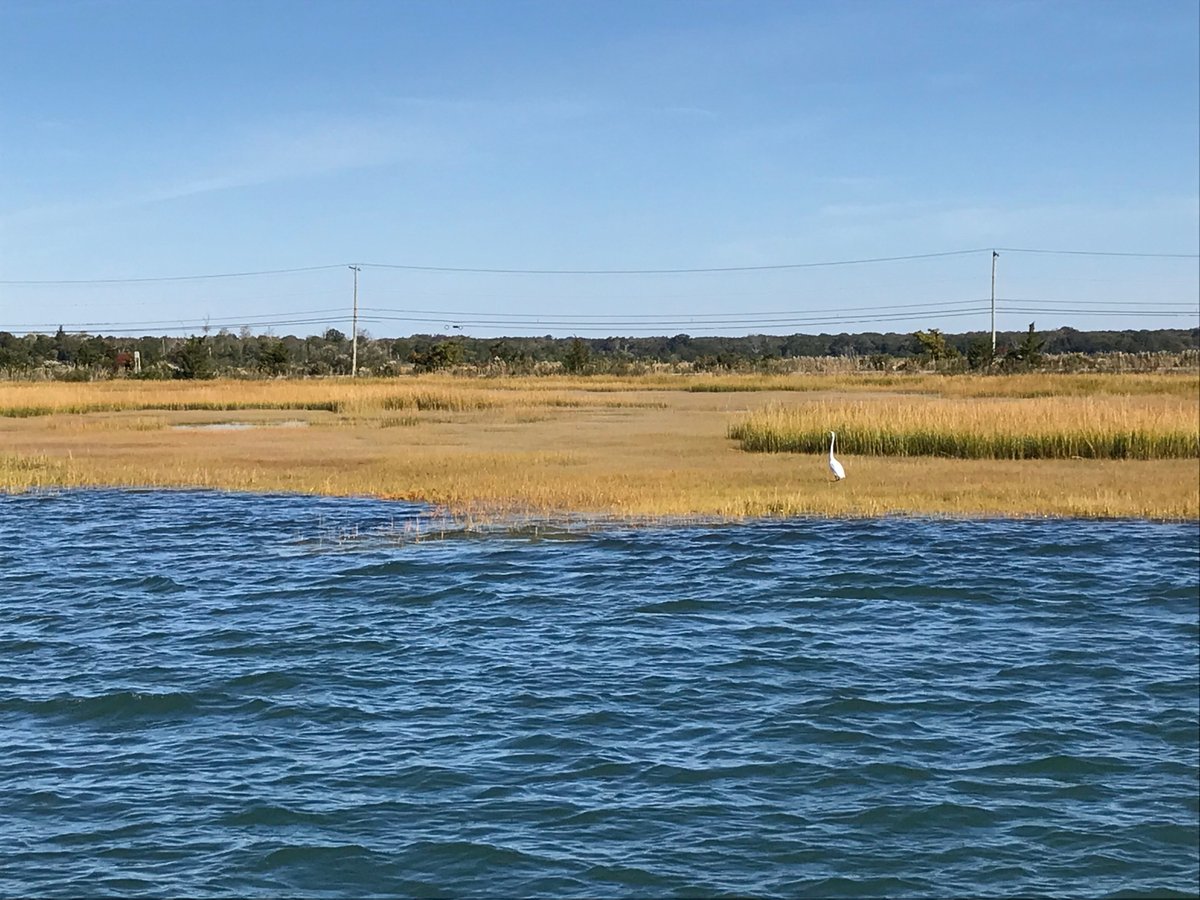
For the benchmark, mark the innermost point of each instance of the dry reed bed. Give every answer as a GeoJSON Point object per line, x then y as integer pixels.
{"type": "Point", "coordinates": [22, 473]}
{"type": "Point", "coordinates": [1063, 427]}
{"type": "Point", "coordinates": [30, 399]}
{"type": "Point", "coordinates": [1017, 385]}
{"type": "Point", "coordinates": [444, 392]}
{"type": "Point", "coordinates": [1022, 385]}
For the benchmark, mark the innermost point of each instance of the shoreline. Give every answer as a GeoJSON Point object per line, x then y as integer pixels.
{"type": "Point", "coordinates": [565, 520]}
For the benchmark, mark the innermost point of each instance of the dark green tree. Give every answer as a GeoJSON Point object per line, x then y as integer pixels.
{"type": "Point", "coordinates": [93, 352]}
{"type": "Point", "coordinates": [979, 353]}
{"type": "Point", "coordinates": [64, 351]}
{"type": "Point", "coordinates": [933, 347]}
{"type": "Point", "coordinates": [1028, 353]}
{"type": "Point", "coordinates": [192, 359]}
{"type": "Point", "coordinates": [15, 354]}
{"type": "Point", "coordinates": [439, 355]}
{"type": "Point", "coordinates": [577, 357]}
{"type": "Point", "coordinates": [273, 357]}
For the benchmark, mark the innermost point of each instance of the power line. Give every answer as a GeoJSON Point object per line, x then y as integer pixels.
{"type": "Point", "coordinates": [789, 313]}
{"type": "Point", "coordinates": [497, 271]}
{"type": "Point", "coordinates": [174, 324]}
{"type": "Point", "coordinates": [680, 321]}
{"type": "Point", "coordinates": [634, 322]}
{"type": "Point", "coordinates": [1195, 313]}
{"type": "Point", "coordinates": [1098, 253]}
{"type": "Point", "coordinates": [760, 317]}
{"type": "Point", "coordinates": [596, 271]}
{"type": "Point", "coordinates": [678, 271]}
{"type": "Point", "coordinates": [248, 320]}
{"type": "Point", "coordinates": [662, 328]}
{"type": "Point", "coordinates": [162, 278]}
{"type": "Point", "coordinates": [1188, 304]}
{"type": "Point", "coordinates": [527, 323]}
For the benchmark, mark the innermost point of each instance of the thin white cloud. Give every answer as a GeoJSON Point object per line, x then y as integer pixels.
{"type": "Point", "coordinates": [283, 150]}
{"type": "Point", "coordinates": [290, 152]}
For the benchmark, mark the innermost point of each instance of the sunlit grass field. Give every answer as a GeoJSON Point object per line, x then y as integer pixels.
{"type": "Point", "coordinates": [647, 447]}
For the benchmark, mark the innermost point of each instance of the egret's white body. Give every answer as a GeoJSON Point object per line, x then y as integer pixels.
{"type": "Point", "coordinates": [834, 466]}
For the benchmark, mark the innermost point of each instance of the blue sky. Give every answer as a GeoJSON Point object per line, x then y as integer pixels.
{"type": "Point", "coordinates": [161, 138]}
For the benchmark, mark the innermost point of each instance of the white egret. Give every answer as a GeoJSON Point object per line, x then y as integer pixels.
{"type": "Point", "coordinates": [834, 466]}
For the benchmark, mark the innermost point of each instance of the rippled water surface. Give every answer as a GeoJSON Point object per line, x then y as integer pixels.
{"type": "Point", "coordinates": [210, 694]}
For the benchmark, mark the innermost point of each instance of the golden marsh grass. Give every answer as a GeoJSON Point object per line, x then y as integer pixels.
{"type": "Point", "coordinates": [31, 399]}
{"type": "Point", "coordinates": [631, 448]}
{"type": "Point", "coordinates": [1064, 427]}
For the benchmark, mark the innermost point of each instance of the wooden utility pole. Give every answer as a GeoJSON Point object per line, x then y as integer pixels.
{"type": "Point", "coordinates": [995, 256]}
{"type": "Point", "coordinates": [354, 329]}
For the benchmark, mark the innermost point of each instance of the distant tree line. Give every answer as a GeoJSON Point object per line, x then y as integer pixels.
{"type": "Point", "coordinates": [83, 356]}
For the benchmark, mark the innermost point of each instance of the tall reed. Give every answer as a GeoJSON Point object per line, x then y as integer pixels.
{"type": "Point", "coordinates": [1044, 428]}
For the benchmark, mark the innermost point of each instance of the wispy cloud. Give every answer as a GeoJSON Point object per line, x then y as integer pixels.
{"type": "Point", "coordinates": [400, 131]}
{"type": "Point", "coordinates": [284, 149]}
{"type": "Point", "coordinates": [289, 151]}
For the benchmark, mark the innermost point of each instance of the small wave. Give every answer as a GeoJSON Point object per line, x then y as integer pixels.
{"type": "Point", "coordinates": [853, 706]}
{"type": "Point", "coordinates": [1070, 766]}
{"type": "Point", "coordinates": [324, 856]}
{"type": "Point", "coordinates": [150, 584]}
{"type": "Point", "coordinates": [820, 734]}
{"type": "Point", "coordinates": [115, 705]}
{"type": "Point", "coordinates": [909, 818]}
{"type": "Point", "coordinates": [273, 817]}
{"type": "Point", "coordinates": [19, 645]}
{"type": "Point", "coordinates": [680, 607]}
{"type": "Point", "coordinates": [472, 856]}
{"type": "Point", "coordinates": [843, 886]}
{"type": "Point", "coordinates": [1058, 766]}
{"type": "Point", "coordinates": [1059, 672]}
{"type": "Point", "coordinates": [394, 568]}
{"type": "Point", "coordinates": [683, 775]}
{"type": "Point", "coordinates": [627, 876]}
{"type": "Point", "coordinates": [898, 773]}
{"type": "Point", "coordinates": [271, 681]}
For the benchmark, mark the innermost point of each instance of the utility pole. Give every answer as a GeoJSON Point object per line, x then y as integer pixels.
{"type": "Point", "coordinates": [995, 256]}
{"type": "Point", "coordinates": [354, 328]}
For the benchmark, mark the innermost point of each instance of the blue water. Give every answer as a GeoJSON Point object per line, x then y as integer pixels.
{"type": "Point", "coordinates": [208, 694]}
